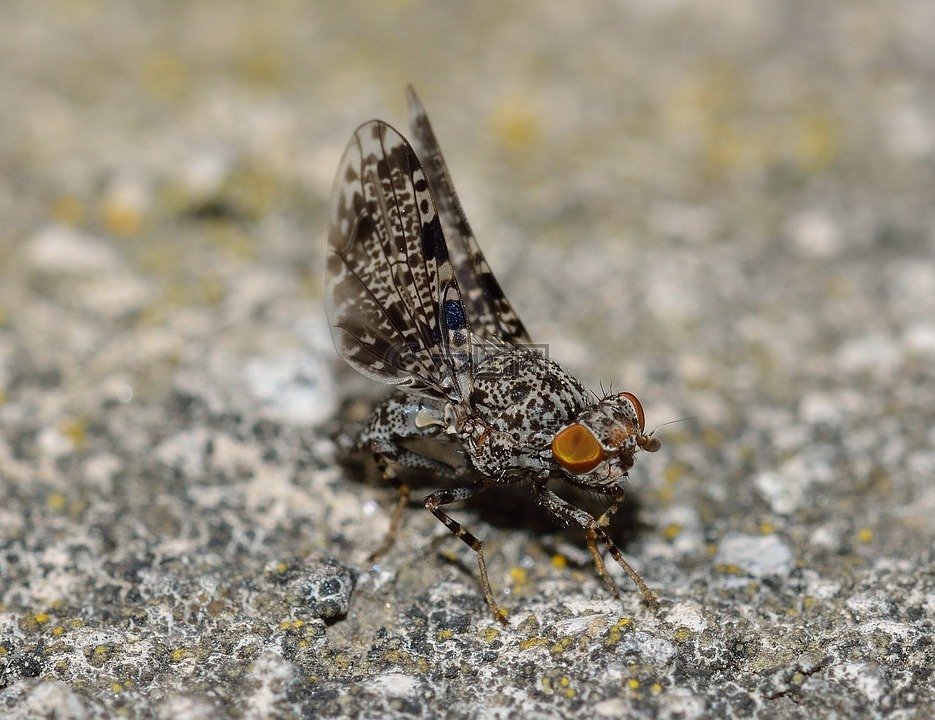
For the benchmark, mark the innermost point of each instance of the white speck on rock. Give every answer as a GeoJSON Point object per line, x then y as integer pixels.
{"type": "Point", "coordinates": [62, 250]}
{"type": "Point", "coordinates": [186, 707]}
{"type": "Point", "coordinates": [292, 387]}
{"type": "Point", "coordinates": [50, 699]}
{"type": "Point", "coordinates": [395, 685]}
{"type": "Point", "coordinates": [783, 496]}
{"type": "Point", "coordinates": [274, 674]}
{"type": "Point", "coordinates": [757, 555]}
{"type": "Point", "coordinates": [864, 677]}
{"type": "Point", "coordinates": [920, 339]}
{"type": "Point", "coordinates": [687, 615]}
{"type": "Point", "coordinates": [873, 352]}
{"type": "Point", "coordinates": [814, 233]}
{"type": "Point", "coordinates": [874, 603]}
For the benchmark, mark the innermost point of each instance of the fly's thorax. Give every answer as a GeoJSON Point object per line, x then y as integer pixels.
{"type": "Point", "coordinates": [599, 446]}
{"type": "Point", "coordinates": [521, 392]}
{"type": "Point", "coordinates": [519, 400]}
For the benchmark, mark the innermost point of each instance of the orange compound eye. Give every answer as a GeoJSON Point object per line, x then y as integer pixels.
{"type": "Point", "coordinates": [577, 450]}
{"type": "Point", "coordinates": [639, 408]}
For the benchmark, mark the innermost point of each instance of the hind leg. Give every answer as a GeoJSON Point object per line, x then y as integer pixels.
{"type": "Point", "coordinates": [392, 423]}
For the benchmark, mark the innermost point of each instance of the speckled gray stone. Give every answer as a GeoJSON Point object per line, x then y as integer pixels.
{"type": "Point", "coordinates": [724, 208]}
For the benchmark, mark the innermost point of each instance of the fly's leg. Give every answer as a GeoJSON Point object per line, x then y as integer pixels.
{"type": "Point", "coordinates": [396, 518]}
{"type": "Point", "coordinates": [603, 521]}
{"type": "Point", "coordinates": [434, 503]}
{"type": "Point", "coordinates": [385, 457]}
{"type": "Point", "coordinates": [393, 422]}
{"type": "Point", "coordinates": [568, 513]}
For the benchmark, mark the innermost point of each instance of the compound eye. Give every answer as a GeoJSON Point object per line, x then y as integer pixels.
{"type": "Point", "coordinates": [639, 408]}
{"type": "Point", "coordinates": [577, 450]}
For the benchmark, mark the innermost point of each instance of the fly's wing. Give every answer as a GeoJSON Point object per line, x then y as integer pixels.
{"type": "Point", "coordinates": [392, 296]}
{"type": "Point", "coordinates": [492, 316]}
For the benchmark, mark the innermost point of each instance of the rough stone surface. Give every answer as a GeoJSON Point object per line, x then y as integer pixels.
{"type": "Point", "coordinates": [723, 207]}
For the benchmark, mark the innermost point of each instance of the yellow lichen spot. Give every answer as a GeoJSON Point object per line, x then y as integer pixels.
{"type": "Point", "coordinates": [264, 69]}
{"type": "Point", "coordinates": [655, 688]}
{"type": "Point", "coordinates": [672, 531]}
{"type": "Point", "coordinates": [617, 630]}
{"type": "Point", "coordinates": [818, 140]}
{"type": "Point", "coordinates": [532, 642]}
{"type": "Point", "coordinates": [164, 76]}
{"type": "Point", "coordinates": [767, 528]}
{"type": "Point", "coordinates": [56, 501]}
{"type": "Point", "coordinates": [122, 218]}
{"type": "Point", "coordinates": [565, 684]}
{"type": "Point", "coordinates": [42, 618]}
{"type": "Point", "coordinates": [68, 210]}
{"type": "Point", "coordinates": [285, 624]}
{"type": "Point", "coordinates": [673, 473]}
{"type": "Point", "coordinates": [489, 634]}
{"type": "Point", "coordinates": [76, 431]}
{"type": "Point", "coordinates": [808, 602]}
{"type": "Point", "coordinates": [633, 684]}
{"type": "Point", "coordinates": [529, 625]}
{"type": "Point", "coordinates": [865, 535]}
{"type": "Point", "coordinates": [559, 561]}
{"type": "Point", "coordinates": [443, 635]}
{"type": "Point", "coordinates": [683, 634]}
{"type": "Point", "coordinates": [116, 687]}
{"type": "Point", "coordinates": [515, 124]}
{"type": "Point", "coordinates": [559, 647]}
{"type": "Point", "coordinates": [179, 654]}
{"type": "Point", "coordinates": [712, 438]}
{"type": "Point", "coordinates": [518, 576]}
{"type": "Point", "coordinates": [58, 630]}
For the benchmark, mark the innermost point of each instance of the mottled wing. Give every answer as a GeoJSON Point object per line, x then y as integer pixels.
{"type": "Point", "coordinates": [391, 293]}
{"type": "Point", "coordinates": [490, 313]}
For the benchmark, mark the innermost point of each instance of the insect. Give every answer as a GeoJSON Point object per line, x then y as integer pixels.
{"type": "Point", "coordinates": [413, 303]}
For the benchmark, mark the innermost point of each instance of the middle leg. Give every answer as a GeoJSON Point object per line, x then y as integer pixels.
{"type": "Point", "coordinates": [434, 503]}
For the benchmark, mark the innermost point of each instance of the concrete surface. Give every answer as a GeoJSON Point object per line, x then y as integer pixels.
{"type": "Point", "coordinates": [723, 207]}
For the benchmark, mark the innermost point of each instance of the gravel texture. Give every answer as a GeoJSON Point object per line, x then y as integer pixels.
{"type": "Point", "coordinates": [724, 207]}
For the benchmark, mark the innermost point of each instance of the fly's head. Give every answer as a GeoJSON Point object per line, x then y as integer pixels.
{"type": "Point", "coordinates": [599, 447]}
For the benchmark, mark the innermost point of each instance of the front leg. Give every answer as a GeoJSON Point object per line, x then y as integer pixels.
{"type": "Point", "coordinates": [591, 536]}
{"type": "Point", "coordinates": [568, 513]}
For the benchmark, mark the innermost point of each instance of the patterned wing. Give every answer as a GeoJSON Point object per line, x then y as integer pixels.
{"type": "Point", "coordinates": [392, 297]}
{"type": "Point", "coordinates": [492, 316]}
